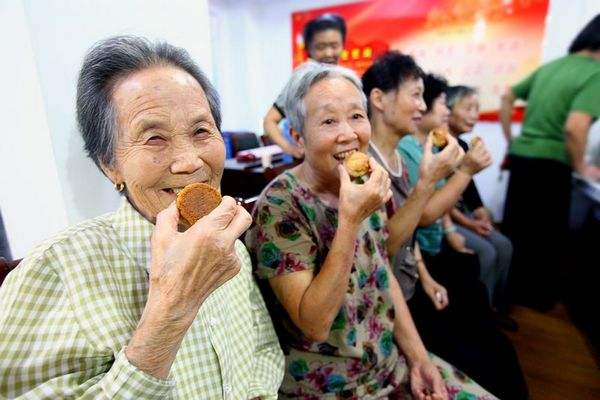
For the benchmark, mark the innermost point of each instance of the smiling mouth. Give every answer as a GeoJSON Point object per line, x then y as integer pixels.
{"type": "Point", "coordinates": [342, 155]}
{"type": "Point", "coordinates": [174, 191]}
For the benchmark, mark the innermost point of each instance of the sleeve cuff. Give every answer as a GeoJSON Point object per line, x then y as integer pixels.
{"type": "Point", "coordinates": [126, 381]}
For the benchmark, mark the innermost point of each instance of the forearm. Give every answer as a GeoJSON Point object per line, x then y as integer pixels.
{"type": "Point", "coordinates": [405, 332]}
{"type": "Point", "coordinates": [506, 111]}
{"type": "Point", "coordinates": [405, 220]}
{"type": "Point", "coordinates": [575, 143]}
{"type": "Point", "coordinates": [445, 198]}
{"type": "Point", "coordinates": [156, 340]}
{"type": "Point", "coordinates": [271, 128]}
{"type": "Point", "coordinates": [421, 268]}
{"type": "Point", "coordinates": [324, 297]}
{"type": "Point", "coordinates": [460, 218]}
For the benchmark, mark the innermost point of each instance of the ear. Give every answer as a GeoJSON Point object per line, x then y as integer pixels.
{"type": "Point", "coordinates": [297, 137]}
{"type": "Point", "coordinates": [377, 99]}
{"type": "Point", "coordinates": [112, 173]}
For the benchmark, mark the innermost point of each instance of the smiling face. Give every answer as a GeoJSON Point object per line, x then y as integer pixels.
{"type": "Point", "coordinates": [167, 138]}
{"type": "Point", "coordinates": [465, 114]}
{"type": "Point", "coordinates": [326, 46]}
{"type": "Point", "coordinates": [437, 117]}
{"type": "Point", "coordinates": [403, 108]}
{"type": "Point", "coordinates": [336, 125]}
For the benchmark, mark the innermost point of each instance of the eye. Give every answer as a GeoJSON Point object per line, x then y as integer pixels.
{"type": "Point", "coordinates": [329, 121]}
{"type": "Point", "coordinates": [155, 140]}
{"type": "Point", "coordinates": [201, 133]}
{"type": "Point", "coordinates": [358, 116]}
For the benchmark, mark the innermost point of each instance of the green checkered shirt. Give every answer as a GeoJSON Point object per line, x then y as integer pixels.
{"type": "Point", "coordinates": [70, 308]}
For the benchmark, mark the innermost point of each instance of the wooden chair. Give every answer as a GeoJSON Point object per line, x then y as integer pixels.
{"type": "Point", "coordinates": [6, 266]}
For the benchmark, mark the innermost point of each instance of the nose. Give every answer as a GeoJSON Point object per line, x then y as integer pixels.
{"type": "Point", "coordinates": [347, 133]}
{"type": "Point", "coordinates": [422, 106]}
{"type": "Point", "coordinates": [186, 160]}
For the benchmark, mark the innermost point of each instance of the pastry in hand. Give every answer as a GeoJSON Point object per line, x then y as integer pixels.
{"type": "Point", "coordinates": [197, 200]}
{"type": "Point", "coordinates": [440, 137]}
{"type": "Point", "coordinates": [475, 140]}
{"type": "Point", "coordinates": [357, 164]}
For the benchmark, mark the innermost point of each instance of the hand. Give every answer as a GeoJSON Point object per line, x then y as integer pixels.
{"type": "Point", "coordinates": [457, 242]}
{"type": "Point", "coordinates": [476, 159]}
{"type": "Point", "coordinates": [481, 227]}
{"type": "Point", "coordinates": [482, 214]}
{"type": "Point", "coordinates": [438, 166]}
{"type": "Point", "coordinates": [426, 382]}
{"type": "Point", "coordinates": [591, 172]}
{"type": "Point", "coordinates": [295, 151]}
{"type": "Point", "coordinates": [436, 292]}
{"type": "Point", "coordinates": [188, 266]}
{"type": "Point", "coordinates": [358, 201]}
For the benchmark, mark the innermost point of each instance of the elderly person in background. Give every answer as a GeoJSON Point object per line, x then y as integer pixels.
{"type": "Point", "coordinates": [127, 305]}
{"type": "Point", "coordinates": [322, 249]}
{"type": "Point", "coordinates": [473, 220]}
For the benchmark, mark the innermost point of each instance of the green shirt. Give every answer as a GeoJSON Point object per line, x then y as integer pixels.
{"type": "Point", "coordinates": [71, 307]}
{"type": "Point", "coordinates": [429, 237]}
{"type": "Point", "coordinates": [571, 83]}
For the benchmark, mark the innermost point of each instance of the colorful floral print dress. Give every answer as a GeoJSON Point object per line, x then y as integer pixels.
{"type": "Point", "coordinates": [293, 231]}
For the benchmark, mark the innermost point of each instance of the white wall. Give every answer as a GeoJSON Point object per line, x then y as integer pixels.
{"type": "Point", "coordinates": [252, 49]}
{"type": "Point", "coordinates": [58, 184]}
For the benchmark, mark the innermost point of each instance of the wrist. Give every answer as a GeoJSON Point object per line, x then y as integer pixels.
{"type": "Point", "coordinates": [449, 229]}
{"type": "Point", "coordinates": [465, 169]}
{"type": "Point", "coordinates": [425, 185]}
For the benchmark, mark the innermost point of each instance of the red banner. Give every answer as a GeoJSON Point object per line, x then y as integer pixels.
{"type": "Point", "coordinates": [488, 44]}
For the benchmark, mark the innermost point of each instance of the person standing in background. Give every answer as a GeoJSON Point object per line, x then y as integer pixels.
{"type": "Point", "coordinates": [563, 99]}
{"type": "Point", "coordinates": [324, 38]}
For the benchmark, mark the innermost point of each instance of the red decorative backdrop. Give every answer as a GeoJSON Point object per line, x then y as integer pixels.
{"type": "Point", "coordinates": [484, 43]}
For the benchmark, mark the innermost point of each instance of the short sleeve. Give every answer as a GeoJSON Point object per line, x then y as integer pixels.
{"type": "Point", "coordinates": [588, 98]}
{"type": "Point", "coordinates": [521, 90]}
{"type": "Point", "coordinates": [281, 239]}
{"type": "Point", "coordinates": [411, 159]}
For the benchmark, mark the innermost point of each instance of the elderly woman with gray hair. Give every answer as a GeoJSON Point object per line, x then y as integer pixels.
{"type": "Point", "coordinates": [129, 305]}
{"type": "Point", "coordinates": [322, 253]}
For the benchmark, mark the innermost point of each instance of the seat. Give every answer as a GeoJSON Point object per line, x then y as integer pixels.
{"type": "Point", "coordinates": [242, 141]}
{"type": "Point", "coordinates": [6, 266]}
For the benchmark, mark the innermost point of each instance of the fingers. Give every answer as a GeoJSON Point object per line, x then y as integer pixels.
{"type": "Point", "coordinates": [344, 177]}
{"type": "Point", "coordinates": [166, 221]}
{"type": "Point", "coordinates": [439, 388]}
{"type": "Point", "coordinates": [240, 223]}
{"type": "Point", "coordinates": [466, 250]}
{"type": "Point", "coordinates": [219, 218]}
{"type": "Point", "coordinates": [428, 145]}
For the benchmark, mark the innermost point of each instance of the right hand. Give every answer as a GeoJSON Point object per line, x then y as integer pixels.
{"type": "Point", "coordinates": [481, 227]}
{"type": "Point", "coordinates": [358, 201]}
{"type": "Point", "coordinates": [438, 166]}
{"type": "Point", "coordinates": [188, 266]}
{"type": "Point", "coordinates": [476, 159]}
{"type": "Point", "coordinates": [295, 151]}
{"type": "Point", "coordinates": [436, 293]}
{"type": "Point", "coordinates": [458, 243]}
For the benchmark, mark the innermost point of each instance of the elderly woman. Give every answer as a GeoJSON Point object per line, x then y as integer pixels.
{"type": "Point", "coordinates": [473, 220]}
{"type": "Point", "coordinates": [127, 305]}
{"type": "Point", "coordinates": [322, 246]}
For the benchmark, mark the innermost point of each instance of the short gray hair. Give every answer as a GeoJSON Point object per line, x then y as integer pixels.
{"type": "Point", "coordinates": [454, 94]}
{"type": "Point", "coordinates": [303, 79]}
{"type": "Point", "coordinates": [110, 60]}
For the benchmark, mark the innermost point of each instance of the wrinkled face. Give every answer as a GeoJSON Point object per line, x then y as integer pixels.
{"type": "Point", "coordinates": [167, 138]}
{"type": "Point", "coordinates": [326, 46]}
{"type": "Point", "coordinates": [437, 117]}
{"type": "Point", "coordinates": [336, 125]}
{"type": "Point", "coordinates": [465, 114]}
{"type": "Point", "coordinates": [403, 108]}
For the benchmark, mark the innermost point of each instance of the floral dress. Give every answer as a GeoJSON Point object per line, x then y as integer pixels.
{"type": "Point", "coordinates": [293, 231]}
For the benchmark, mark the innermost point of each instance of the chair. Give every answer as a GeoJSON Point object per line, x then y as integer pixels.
{"type": "Point", "coordinates": [242, 141]}
{"type": "Point", "coordinates": [6, 266]}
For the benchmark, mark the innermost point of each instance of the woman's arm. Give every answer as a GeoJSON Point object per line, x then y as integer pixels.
{"type": "Point", "coordinates": [576, 131]}
{"type": "Point", "coordinates": [271, 126]}
{"type": "Point", "coordinates": [507, 102]}
{"type": "Point", "coordinates": [313, 300]}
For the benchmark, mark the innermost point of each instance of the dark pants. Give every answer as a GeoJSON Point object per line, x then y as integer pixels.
{"type": "Point", "coordinates": [463, 333]}
{"type": "Point", "coordinates": [536, 219]}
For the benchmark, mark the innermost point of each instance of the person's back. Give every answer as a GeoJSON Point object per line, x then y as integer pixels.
{"type": "Point", "coordinates": [570, 83]}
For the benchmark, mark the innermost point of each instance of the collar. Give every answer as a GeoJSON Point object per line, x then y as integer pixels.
{"type": "Point", "coordinates": [134, 232]}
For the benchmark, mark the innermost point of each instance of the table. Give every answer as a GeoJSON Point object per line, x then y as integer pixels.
{"type": "Point", "coordinates": [247, 180]}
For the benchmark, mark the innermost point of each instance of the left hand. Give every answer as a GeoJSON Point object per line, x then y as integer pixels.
{"type": "Point", "coordinates": [426, 382]}
{"type": "Point", "coordinates": [481, 213]}
{"type": "Point", "coordinates": [436, 292]}
{"type": "Point", "coordinates": [481, 227]}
